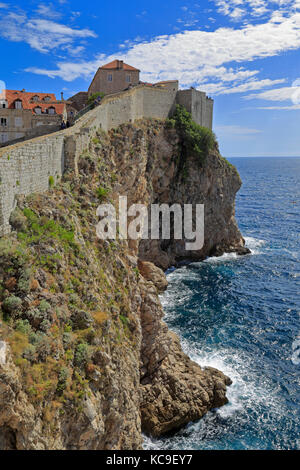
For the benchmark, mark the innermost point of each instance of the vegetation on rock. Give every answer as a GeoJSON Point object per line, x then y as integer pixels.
{"type": "Point", "coordinates": [81, 315]}
{"type": "Point", "coordinates": [94, 97]}
{"type": "Point", "coordinates": [195, 140]}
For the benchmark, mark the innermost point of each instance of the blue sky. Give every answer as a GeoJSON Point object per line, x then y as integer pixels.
{"type": "Point", "coordinates": [243, 53]}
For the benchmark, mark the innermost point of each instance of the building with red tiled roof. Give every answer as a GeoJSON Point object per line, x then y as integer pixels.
{"type": "Point", "coordinates": [38, 103]}
{"type": "Point", "coordinates": [117, 65]}
{"type": "Point", "coordinates": [114, 77]}
{"type": "Point", "coordinates": [29, 114]}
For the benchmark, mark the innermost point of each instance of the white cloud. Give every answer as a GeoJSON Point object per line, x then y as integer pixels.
{"type": "Point", "coordinates": [4, 5]}
{"type": "Point", "coordinates": [236, 130]}
{"type": "Point", "coordinates": [253, 85]}
{"type": "Point", "coordinates": [277, 94]}
{"type": "Point", "coordinates": [208, 60]}
{"type": "Point", "coordinates": [69, 71]}
{"type": "Point", "coordinates": [237, 9]}
{"type": "Point", "coordinates": [293, 107]}
{"type": "Point", "coordinates": [41, 34]}
{"type": "Point", "coordinates": [47, 11]}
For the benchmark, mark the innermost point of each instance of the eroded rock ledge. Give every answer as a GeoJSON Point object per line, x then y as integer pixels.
{"type": "Point", "coordinates": [174, 389]}
{"type": "Point", "coordinates": [89, 362]}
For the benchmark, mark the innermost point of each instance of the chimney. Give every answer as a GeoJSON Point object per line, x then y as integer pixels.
{"type": "Point", "coordinates": [23, 91]}
{"type": "Point", "coordinates": [121, 63]}
{"type": "Point", "coordinates": [62, 96]}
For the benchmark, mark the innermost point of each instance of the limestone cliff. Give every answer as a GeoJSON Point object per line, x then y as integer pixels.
{"type": "Point", "coordinates": [86, 361]}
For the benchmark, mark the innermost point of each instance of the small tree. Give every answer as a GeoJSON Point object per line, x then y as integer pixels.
{"type": "Point", "coordinates": [196, 140]}
{"type": "Point", "coordinates": [94, 97]}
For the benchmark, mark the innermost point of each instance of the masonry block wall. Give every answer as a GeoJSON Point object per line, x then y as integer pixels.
{"type": "Point", "coordinates": [198, 104]}
{"type": "Point", "coordinates": [25, 168]}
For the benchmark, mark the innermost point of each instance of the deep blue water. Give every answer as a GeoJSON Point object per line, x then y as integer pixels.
{"type": "Point", "coordinates": [242, 315]}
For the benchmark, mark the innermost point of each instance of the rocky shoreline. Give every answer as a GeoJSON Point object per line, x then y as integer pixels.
{"type": "Point", "coordinates": [88, 361]}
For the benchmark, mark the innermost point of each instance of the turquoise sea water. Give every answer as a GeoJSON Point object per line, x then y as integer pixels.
{"type": "Point", "coordinates": [242, 315]}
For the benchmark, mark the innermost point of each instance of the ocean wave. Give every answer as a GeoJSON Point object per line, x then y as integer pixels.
{"type": "Point", "coordinates": [254, 244]}
{"type": "Point", "coordinates": [221, 259]}
{"type": "Point", "coordinates": [251, 398]}
{"type": "Point", "coordinates": [247, 391]}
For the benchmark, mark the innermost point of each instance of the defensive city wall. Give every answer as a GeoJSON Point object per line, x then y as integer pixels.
{"type": "Point", "coordinates": [29, 166]}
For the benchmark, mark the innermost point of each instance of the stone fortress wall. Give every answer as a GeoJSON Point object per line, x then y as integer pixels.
{"type": "Point", "coordinates": [28, 167]}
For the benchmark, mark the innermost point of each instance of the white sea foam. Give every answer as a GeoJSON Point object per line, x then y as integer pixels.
{"type": "Point", "coordinates": [251, 396]}
{"type": "Point", "coordinates": [254, 244]}
{"type": "Point", "coordinates": [222, 259]}
{"type": "Point", "coordinates": [247, 391]}
{"type": "Point", "coordinates": [248, 394]}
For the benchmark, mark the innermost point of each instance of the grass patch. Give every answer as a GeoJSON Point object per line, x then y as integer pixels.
{"type": "Point", "coordinates": [41, 229]}
{"type": "Point", "coordinates": [102, 193]}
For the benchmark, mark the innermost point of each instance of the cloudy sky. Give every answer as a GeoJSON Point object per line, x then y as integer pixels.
{"type": "Point", "coordinates": [243, 53]}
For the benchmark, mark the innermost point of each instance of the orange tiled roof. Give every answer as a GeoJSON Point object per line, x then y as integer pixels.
{"type": "Point", "coordinates": [115, 65]}
{"type": "Point", "coordinates": [28, 103]}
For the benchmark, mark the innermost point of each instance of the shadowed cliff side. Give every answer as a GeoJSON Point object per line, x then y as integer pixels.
{"type": "Point", "coordinates": [86, 361]}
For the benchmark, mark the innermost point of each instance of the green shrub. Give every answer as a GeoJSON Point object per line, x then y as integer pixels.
{"type": "Point", "coordinates": [30, 353]}
{"type": "Point", "coordinates": [102, 193]}
{"type": "Point", "coordinates": [196, 140]}
{"type": "Point", "coordinates": [81, 354]}
{"type": "Point", "coordinates": [67, 339]}
{"type": "Point", "coordinates": [35, 337]}
{"type": "Point", "coordinates": [43, 229]}
{"type": "Point", "coordinates": [45, 325]}
{"type": "Point", "coordinates": [124, 320]}
{"type": "Point", "coordinates": [12, 304]}
{"type": "Point", "coordinates": [94, 96]}
{"type": "Point", "coordinates": [23, 326]}
{"type": "Point", "coordinates": [43, 346]}
{"type": "Point", "coordinates": [11, 255]}
{"type": "Point", "coordinates": [62, 380]}
{"type": "Point", "coordinates": [44, 306]}
{"type": "Point", "coordinates": [17, 219]}
{"type": "Point", "coordinates": [51, 181]}
{"type": "Point", "coordinates": [24, 281]}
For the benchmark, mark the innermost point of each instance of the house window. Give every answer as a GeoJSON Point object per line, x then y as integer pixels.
{"type": "Point", "coordinates": [128, 78]}
{"type": "Point", "coordinates": [109, 77]}
{"type": "Point", "coordinates": [35, 98]}
{"type": "Point", "coordinates": [51, 110]}
{"type": "Point", "coordinates": [3, 122]}
{"type": "Point", "coordinates": [3, 138]}
{"type": "Point", "coordinates": [18, 104]}
{"type": "Point", "coordinates": [38, 110]}
{"type": "Point", "coordinates": [47, 98]}
{"type": "Point", "coordinates": [18, 122]}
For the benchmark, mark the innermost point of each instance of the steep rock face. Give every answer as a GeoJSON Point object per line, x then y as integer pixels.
{"type": "Point", "coordinates": [86, 359]}
{"type": "Point", "coordinates": [174, 390]}
{"type": "Point", "coordinates": [213, 183]}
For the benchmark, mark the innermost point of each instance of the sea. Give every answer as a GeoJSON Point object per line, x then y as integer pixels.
{"type": "Point", "coordinates": [242, 316]}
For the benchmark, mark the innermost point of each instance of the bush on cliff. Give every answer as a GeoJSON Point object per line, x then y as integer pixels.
{"type": "Point", "coordinates": [195, 140]}
{"type": "Point", "coordinates": [44, 229]}
{"type": "Point", "coordinates": [94, 97]}
{"type": "Point", "coordinates": [12, 304]}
